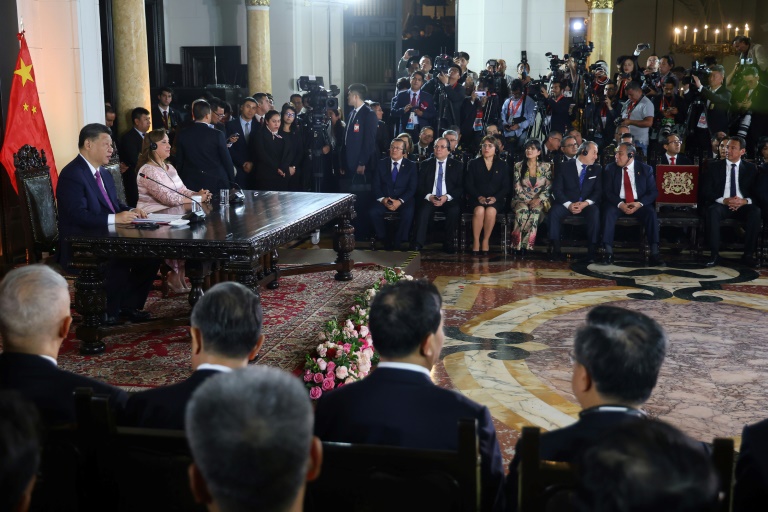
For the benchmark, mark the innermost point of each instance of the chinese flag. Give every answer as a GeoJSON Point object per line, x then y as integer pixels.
{"type": "Point", "coordinates": [26, 124]}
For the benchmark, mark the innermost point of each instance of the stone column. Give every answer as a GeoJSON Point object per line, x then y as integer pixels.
{"type": "Point", "coordinates": [131, 62]}
{"type": "Point", "coordinates": [601, 29]}
{"type": "Point", "coordinates": [259, 60]}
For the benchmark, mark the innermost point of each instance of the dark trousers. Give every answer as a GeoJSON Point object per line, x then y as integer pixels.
{"type": "Point", "coordinates": [406, 211]}
{"type": "Point", "coordinates": [128, 282]}
{"type": "Point", "coordinates": [558, 212]}
{"type": "Point", "coordinates": [424, 215]}
{"type": "Point", "coordinates": [749, 213]}
{"type": "Point", "coordinates": [646, 215]}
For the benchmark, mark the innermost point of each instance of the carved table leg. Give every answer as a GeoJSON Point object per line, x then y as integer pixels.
{"type": "Point", "coordinates": [344, 244]}
{"type": "Point", "coordinates": [246, 273]}
{"type": "Point", "coordinates": [274, 269]}
{"type": "Point", "coordinates": [90, 302]}
{"type": "Point", "coordinates": [197, 271]}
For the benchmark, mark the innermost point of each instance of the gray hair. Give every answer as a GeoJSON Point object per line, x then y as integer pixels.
{"type": "Point", "coordinates": [250, 433]}
{"type": "Point", "coordinates": [450, 132]}
{"type": "Point", "coordinates": [31, 299]}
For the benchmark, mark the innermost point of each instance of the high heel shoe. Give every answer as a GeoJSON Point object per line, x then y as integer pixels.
{"type": "Point", "coordinates": [175, 284]}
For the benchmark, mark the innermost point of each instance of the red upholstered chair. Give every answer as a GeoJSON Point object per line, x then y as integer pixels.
{"type": "Point", "coordinates": [678, 187]}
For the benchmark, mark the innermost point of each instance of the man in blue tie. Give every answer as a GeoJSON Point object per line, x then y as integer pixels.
{"type": "Point", "coordinates": [577, 189]}
{"type": "Point", "coordinates": [394, 188]}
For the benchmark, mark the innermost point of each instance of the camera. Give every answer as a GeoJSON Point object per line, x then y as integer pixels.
{"type": "Point", "coordinates": [320, 98]}
{"type": "Point", "coordinates": [554, 61]}
{"type": "Point", "coordinates": [746, 62]}
{"type": "Point", "coordinates": [442, 63]}
{"type": "Point", "coordinates": [581, 50]}
{"type": "Point", "coordinates": [491, 80]}
{"type": "Point", "coordinates": [700, 70]}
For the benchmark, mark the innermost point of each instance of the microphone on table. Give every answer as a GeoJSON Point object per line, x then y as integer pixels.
{"type": "Point", "coordinates": [193, 216]}
{"type": "Point", "coordinates": [237, 197]}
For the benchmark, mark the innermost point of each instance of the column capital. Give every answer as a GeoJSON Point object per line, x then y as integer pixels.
{"type": "Point", "coordinates": [599, 4]}
{"type": "Point", "coordinates": [257, 3]}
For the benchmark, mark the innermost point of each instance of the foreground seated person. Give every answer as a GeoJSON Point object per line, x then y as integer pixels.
{"type": "Point", "coordinates": [616, 357]}
{"type": "Point", "coordinates": [647, 466]}
{"type": "Point", "coordinates": [19, 451]}
{"type": "Point", "coordinates": [751, 490]}
{"type": "Point", "coordinates": [31, 343]}
{"type": "Point", "coordinates": [226, 334]}
{"type": "Point", "coordinates": [88, 204]}
{"type": "Point", "coordinates": [250, 433]}
{"type": "Point", "coordinates": [398, 404]}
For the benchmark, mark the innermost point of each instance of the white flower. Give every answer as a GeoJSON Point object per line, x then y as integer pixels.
{"type": "Point", "coordinates": [407, 277]}
{"type": "Point", "coordinates": [322, 364]}
{"type": "Point", "coordinates": [321, 350]}
{"type": "Point", "coordinates": [363, 331]}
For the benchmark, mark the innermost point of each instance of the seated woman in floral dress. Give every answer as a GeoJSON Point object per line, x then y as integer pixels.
{"type": "Point", "coordinates": [532, 181]}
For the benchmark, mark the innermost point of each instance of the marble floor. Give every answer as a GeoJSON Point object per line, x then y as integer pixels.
{"type": "Point", "coordinates": [510, 324]}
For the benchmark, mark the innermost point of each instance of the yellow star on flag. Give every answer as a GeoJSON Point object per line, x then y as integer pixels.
{"type": "Point", "coordinates": [25, 72]}
{"type": "Point", "coordinates": [34, 110]}
{"type": "Point", "coordinates": [26, 107]}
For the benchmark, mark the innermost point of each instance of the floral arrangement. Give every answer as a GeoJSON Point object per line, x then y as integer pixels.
{"type": "Point", "coordinates": [346, 353]}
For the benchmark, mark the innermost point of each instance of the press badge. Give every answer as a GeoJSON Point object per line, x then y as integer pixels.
{"type": "Point", "coordinates": [478, 126]}
{"type": "Point", "coordinates": [411, 121]}
{"type": "Point", "coordinates": [356, 128]}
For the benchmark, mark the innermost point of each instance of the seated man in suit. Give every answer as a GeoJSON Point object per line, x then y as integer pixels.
{"type": "Point", "coordinates": [250, 434]}
{"type": "Point", "coordinates": [751, 490]}
{"type": "Point", "coordinates": [394, 187]}
{"type": "Point", "coordinates": [616, 359]}
{"type": "Point", "coordinates": [440, 188]}
{"type": "Point", "coordinates": [201, 154]}
{"type": "Point", "coordinates": [238, 132]}
{"type": "Point", "coordinates": [414, 108]}
{"type": "Point", "coordinates": [398, 404]}
{"type": "Point", "coordinates": [672, 154]}
{"type": "Point", "coordinates": [34, 320]}
{"type": "Point", "coordinates": [577, 190]}
{"type": "Point", "coordinates": [423, 147]}
{"type": "Point", "coordinates": [129, 149]}
{"type": "Point", "coordinates": [19, 451]}
{"type": "Point", "coordinates": [629, 189]}
{"type": "Point", "coordinates": [88, 203]}
{"type": "Point", "coordinates": [729, 190]}
{"type": "Point", "coordinates": [226, 334]}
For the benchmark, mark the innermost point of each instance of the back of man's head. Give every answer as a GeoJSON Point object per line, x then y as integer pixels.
{"type": "Point", "coordinates": [403, 315]}
{"type": "Point", "coordinates": [250, 432]}
{"type": "Point", "coordinates": [19, 450]}
{"type": "Point", "coordinates": [34, 300]}
{"type": "Point", "coordinates": [647, 466]}
{"type": "Point", "coordinates": [229, 317]}
{"type": "Point", "coordinates": [622, 350]}
{"type": "Point", "coordinates": [200, 109]}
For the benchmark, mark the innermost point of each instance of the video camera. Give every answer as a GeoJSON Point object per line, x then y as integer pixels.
{"type": "Point", "coordinates": [442, 63]}
{"type": "Point", "coordinates": [555, 62]}
{"type": "Point", "coordinates": [320, 98]}
{"type": "Point", "coordinates": [492, 80]}
{"type": "Point", "coordinates": [581, 50]}
{"type": "Point", "coordinates": [700, 70]}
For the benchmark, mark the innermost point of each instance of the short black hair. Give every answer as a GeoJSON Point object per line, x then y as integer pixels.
{"type": "Point", "coordinates": [742, 142]}
{"type": "Point", "coordinates": [402, 83]}
{"type": "Point", "coordinates": [230, 319]}
{"type": "Point", "coordinates": [200, 109]}
{"type": "Point", "coordinates": [92, 132]}
{"type": "Point", "coordinates": [359, 89]}
{"type": "Point", "coordinates": [19, 447]}
{"type": "Point", "coordinates": [516, 85]}
{"type": "Point", "coordinates": [742, 39]}
{"type": "Point", "coordinates": [463, 55]}
{"type": "Point", "coordinates": [260, 96]}
{"type": "Point", "coordinates": [646, 465]}
{"type": "Point", "coordinates": [294, 95]}
{"type": "Point", "coordinates": [164, 89]}
{"type": "Point", "coordinates": [215, 103]}
{"type": "Point", "coordinates": [422, 74]}
{"type": "Point", "coordinates": [672, 79]}
{"type": "Point", "coordinates": [247, 99]}
{"type": "Point", "coordinates": [670, 60]}
{"type": "Point", "coordinates": [373, 104]}
{"type": "Point", "coordinates": [138, 112]}
{"type": "Point", "coordinates": [109, 109]}
{"type": "Point", "coordinates": [403, 315]}
{"type": "Point", "coordinates": [634, 85]}
{"type": "Point", "coordinates": [623, 351]}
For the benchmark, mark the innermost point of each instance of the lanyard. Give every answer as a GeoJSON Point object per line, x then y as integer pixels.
{"type": "Point", "coordinates": [513, 113]}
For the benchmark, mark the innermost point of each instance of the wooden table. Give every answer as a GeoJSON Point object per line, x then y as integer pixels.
{"type": "Point", "coordinates": [236, 238]}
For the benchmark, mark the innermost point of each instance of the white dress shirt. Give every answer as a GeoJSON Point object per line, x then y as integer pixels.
{"type": "Point", "coordinates": [579, 163]}
{"type": "Point", "coordinates": [406, 366]}
{"type": "Point", "coordinates": [631, 170]}
{"type": "Point", "coordinates": [727, 190]}
{"type": "Point", "coordinates": [214, 367]}
{"type": "Point", "coordinates": [434, 185]}
{"type": "Point", "coordinates": [399, 170]}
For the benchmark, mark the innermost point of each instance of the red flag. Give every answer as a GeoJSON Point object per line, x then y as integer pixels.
{"type": "Point", "coordinates": [26, 124]}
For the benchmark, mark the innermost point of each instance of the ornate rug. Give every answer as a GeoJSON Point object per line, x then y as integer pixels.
{"type": "Point", "coordinates": [293, 316]}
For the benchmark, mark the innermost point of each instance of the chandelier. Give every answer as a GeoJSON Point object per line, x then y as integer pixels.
{"type": "Point", "coordinates": [711, 40]}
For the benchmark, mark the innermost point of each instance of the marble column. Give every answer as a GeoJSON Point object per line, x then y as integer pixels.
{"type": "Point", "coordinates": [131, 62]}
{"type": "Point", "coordinates": [259, 60]}
{"type": "Point", "coordinates": [601, 29]}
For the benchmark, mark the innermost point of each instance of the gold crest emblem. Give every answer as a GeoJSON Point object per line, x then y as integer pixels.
{"type": "Point", "coordinates": [677, 183]}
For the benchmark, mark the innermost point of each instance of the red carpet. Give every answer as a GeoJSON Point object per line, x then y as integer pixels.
{"type": "Point", "coordinates": [294, 314]}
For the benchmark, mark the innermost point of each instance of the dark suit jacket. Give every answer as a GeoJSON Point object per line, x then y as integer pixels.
{"type": "Point", "coordinates": [163, 407]}
{"type": "Point", "coordinates": [240, 151]}
{"type": "Point", "coordinates": [454, 179]}
{"type": "Point", "coordinates": [565, 184]}
{"type": "Point", "coordinates": [680, 159]}
{"type": "Point", "coordinates": [751, 490]}
{"type": "Point", "coordinates": [645, 184]}
{"type": "Point", "coordinates": [561, 119]}
{"type": "Point", "coordinates": [174, 118]}
{"type": "Point", "coordinates": [383, 139]}
{"type": "Point", "coordinates": [404, 408]}
{"type": "Point", "coordinates": [566, 444]}
{"type": "Point", "coordinates": [81, 205]}
{"type": "Point", "coordinates": [426, 103]}
{"type": "Point", "coordinates": [203, 159]}
{"type": "Point", "coordinates": [403, 188]}
{"type": "Point", "coordinates": [129, 149]}
{"type": "Point", "coordinates": [713, 181]}
{"type": "Point", "coordinates": [479, 181]}
{"type": "Point", "coordinates": [360, 145]}
{"type": "Point", "coordinates": [50, 388]}
{"type": "Point", "coordinates": [717, 112]}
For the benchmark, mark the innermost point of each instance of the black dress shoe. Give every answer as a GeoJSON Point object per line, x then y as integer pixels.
{"type": "Point", "coordinates": [483, 253]}
{"type": "Point", "coordinates": [475, 253]}
{"type": "Point", "coordinates": [587, 259]}
{"type": "Point", "coordinates": [136, 315]}
{"type": "Point", "coordinates": [557, 256]}
{"type": "Point", "coordinates": [656, 261]}
{"type": "Point", "coordinates": [713, 262]}
{"type": "Point", "coordinates": [749, 261]}
{"type": "Point", "coordinates": [109, 320]}
{"type": "Point", "coordinates": [608, 259]}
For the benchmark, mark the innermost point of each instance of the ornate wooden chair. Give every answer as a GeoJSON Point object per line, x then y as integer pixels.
{"type": "Point", "coordinates": [38, 203]}
{"type": "Point", "coordinates": [114, 169]}
{"type": "Point", "coordinates": [678, 187]}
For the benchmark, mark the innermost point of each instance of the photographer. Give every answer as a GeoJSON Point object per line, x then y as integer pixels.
{"type": "Point", "coordinates": [449, 85]}
{"type": "Point", "coordinates": [461, 59]}
{"type": "Point", "coordinates": [559, 107]}
{"type": "Point", "coordinates": [408, 63]}
{"type": "Point", "coordinates": [495, 80]}
{"type": "Point", "coordinates": [414, 107]}
{"type": "Point", "coordinates": [517, 116]}
{"type": "Point", "coordinates": [709, 107]}
{"type": "Point", "coordinates": [670, 111]}
{"type": "Point", "coordinates": [637, 113]}
{"type": "Point", "coordinates": [477, 112]}
{"type": "Point", "coordinates": [628, 73]}
{"type": "Point", "coordinates": [750, 108]}
{"type": "Point", "coordinates": [749, 55]}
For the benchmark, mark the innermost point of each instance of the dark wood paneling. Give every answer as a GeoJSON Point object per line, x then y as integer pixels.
{"type": "Point", "coordinates": [155, 42]}
{"type": "Point", "coordinates": [107, 51]}
{"type": "Point", "coordinates": [197, 64]}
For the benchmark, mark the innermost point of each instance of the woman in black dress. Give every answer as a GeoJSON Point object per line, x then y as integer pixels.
{"type": "Point", "coordinates": [271, 173]}
{"type": "Point", "coordinates": [487, 185]}
{"type": "Point", "coordinates": [294, 146]}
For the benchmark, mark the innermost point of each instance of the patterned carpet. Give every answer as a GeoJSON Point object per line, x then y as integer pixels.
{"type": "Point", "coordinates": [293, 313]}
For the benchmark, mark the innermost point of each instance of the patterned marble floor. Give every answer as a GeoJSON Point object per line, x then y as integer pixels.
{"type": "Point", "coordinates": [510, 324]}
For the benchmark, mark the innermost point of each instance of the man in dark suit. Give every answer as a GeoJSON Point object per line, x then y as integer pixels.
{"type": "Point", "coordinates": [88, 203]}
{"type": "Point", "coordinates": [577, 190]}
{"type": "Point", "coordinates": [226, 334]}
{"type": "Point", "coordinates": [729, 190]}
{"type": "Point", "coordinates": [551, 151]}
{"type": "Point", "coordinates": [201, 154]}
{"type": "Point", "coordinates": [559, 107]}
{"type": "Point", "coordinates": [34, 320]}
{"type": "Point", "coordinates": [129, 149]}
{"type": "Point", "coordinates": [414, 108]}
{"type": "Point", "coordinates": [711, 117]}
{"type": "Point", "coordinates": [448, 84]}
{"type": "Point", "coordinates": [238, 133]}
{"type": "Point", "coordinates": [423, 148]}
{"type": "Point", "coordinates": [751, 490]}
{"type": "Point", "coordinates": [360, 134]}
{"type": "Point", "coordinates": [383, 132]}
{"type": "Point", "coordinates": [164, 115]}
{"type": "Point", "coordinates": [394, 187]}
{"type": "Point", "coordinates": [440, 188]}
{"type": "Point", "coordinates": [398, 404]}
{"type": "Point", "coordinates": [616, 358]}
{"type": "Point", "coordinates": [672, 154]}
{"type": "Point", "coordinates": [629, 189]}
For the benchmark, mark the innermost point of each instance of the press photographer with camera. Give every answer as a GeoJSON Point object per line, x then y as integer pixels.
{"type": "Point", "coordinates": [709, 106]}
{"type": "Point", "coordinates": [559, 106]}
{"type": "Point", "coordinates": [628, 73]}
{"type": "Point", "coordinates": [478, 111]}
{"type": "Point", "coordinates": [408, 63]}
{"type": "Point", "coordinates": [749, 107]}
{"type": "Point", "coordinates": [517, 116]}
{"type": "Point", "coordinates": [670, 111]}
{"type": "Point", "coordinates": [750, 54]}
{"type": "Point", "coordinates": [449, 96]}
{"type": "Point", "coordinates": [637, 113]}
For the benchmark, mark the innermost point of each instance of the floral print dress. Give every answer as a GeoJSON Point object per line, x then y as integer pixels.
{"type": "Point", "coordinates": [527, 188]}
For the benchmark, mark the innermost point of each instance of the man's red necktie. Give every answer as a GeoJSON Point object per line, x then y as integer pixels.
{"type": "Point", "coordinates": [672, 161]}
{"type": "Point", "coordinates": [629, 197]}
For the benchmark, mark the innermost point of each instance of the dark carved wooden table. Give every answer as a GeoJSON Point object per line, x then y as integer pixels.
{"type": "Point", "coordinates": [237, 239]}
